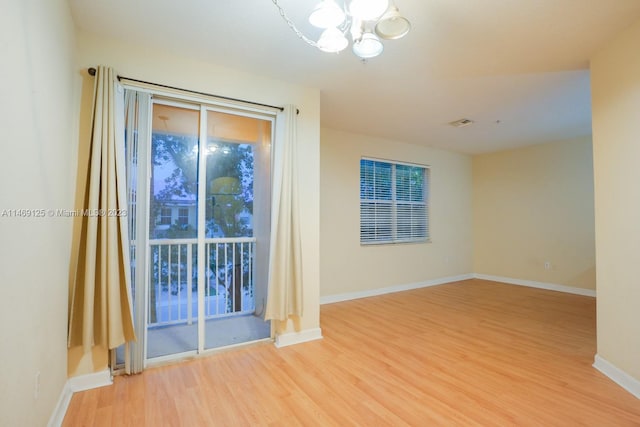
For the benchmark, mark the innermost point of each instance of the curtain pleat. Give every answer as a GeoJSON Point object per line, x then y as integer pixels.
{"type": "Point", "coordinates": [100, 307]}
{"type": "Point", "coordinates": [284, 297]}
{"type": "Point", "coordinates": [137, 107]}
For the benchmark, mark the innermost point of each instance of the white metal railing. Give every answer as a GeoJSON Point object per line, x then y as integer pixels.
{"type": "Point", "coordinates": [228, 281]}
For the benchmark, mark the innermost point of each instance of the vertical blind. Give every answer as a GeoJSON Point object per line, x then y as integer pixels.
{"type": "Point", "coordinates": [394, 202]}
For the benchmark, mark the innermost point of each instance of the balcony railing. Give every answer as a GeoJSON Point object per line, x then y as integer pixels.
{"type": "Point", "coordinates": [228, 281]}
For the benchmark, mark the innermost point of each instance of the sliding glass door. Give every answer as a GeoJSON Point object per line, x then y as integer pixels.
{"type": "Point", "coordinates": [208, 228]}
{"type": "Point", "coordinates": [172, 291]}
{"type": "Point", "coordinates": [200, 227]}
{"type": "Point", "coordinates": [236, 224]}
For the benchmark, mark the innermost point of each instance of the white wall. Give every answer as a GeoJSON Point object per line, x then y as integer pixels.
{"type": "Point", "coordinates": [615, 88]}
{"type": "Point", "coordinates": [534, 205]}
{"type": "Point", "coordinates": [169, 68]}
{"type": "Point", "coordinates": [37, 165]}
{"type": "Point", "coordinates": [348, 267]}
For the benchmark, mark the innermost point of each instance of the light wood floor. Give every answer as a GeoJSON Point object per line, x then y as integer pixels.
{"type": "Point", "coordinates": [467, 353]}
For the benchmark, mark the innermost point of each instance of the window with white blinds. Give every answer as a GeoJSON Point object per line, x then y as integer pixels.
{"type": "Point", "coordinates": [394, 202]}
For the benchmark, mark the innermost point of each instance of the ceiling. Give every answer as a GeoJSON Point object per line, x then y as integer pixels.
{"type": "Point", "coordinates": [517, 68]}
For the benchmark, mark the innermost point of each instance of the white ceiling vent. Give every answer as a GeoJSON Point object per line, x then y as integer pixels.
{"type": "Point", "coordinates": [461, 123]}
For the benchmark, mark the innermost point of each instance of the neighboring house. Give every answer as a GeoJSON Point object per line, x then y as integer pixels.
{"type": "Point", "coordinates": [180, 212]}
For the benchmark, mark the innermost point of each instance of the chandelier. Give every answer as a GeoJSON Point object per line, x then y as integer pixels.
{"type": "Point", "coordinates": [365, 21]}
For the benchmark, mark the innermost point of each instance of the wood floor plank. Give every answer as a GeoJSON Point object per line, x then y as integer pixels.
{"type": "Point", "coordinates": [467, 353]}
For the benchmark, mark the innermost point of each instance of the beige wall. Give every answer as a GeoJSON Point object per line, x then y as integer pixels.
{"type": "Point", "coordinates": [37, 164]}
{"type": "Point", "coordinates": [171, 69]}
{"type": "Point", "coordinates": [346, 266]}
{"type": "Point", "coordinates": [615, 84]}
{"type": "Point", "coordinates": [535, 205]}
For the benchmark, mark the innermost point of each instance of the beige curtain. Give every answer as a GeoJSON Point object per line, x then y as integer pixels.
{"type": "Point", "coordinates": [137, 111]}
{"type": "Point", "coordinates": [284, 297]}
{"type": "Point", "coordinates": [100, 307]}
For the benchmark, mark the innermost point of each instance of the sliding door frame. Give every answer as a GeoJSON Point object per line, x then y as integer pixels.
{"type": "Point", "coordinates": [203, 104]}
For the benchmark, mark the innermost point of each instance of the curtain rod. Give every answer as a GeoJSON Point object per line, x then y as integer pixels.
{"type": "Point", "coordinates": [92, 72]}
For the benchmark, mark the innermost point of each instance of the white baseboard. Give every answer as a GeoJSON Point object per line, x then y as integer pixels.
{"type": "Point", "coordinates": [89, 381]}
{"type": "Point", "coordinates": [292, 338]}
{"type": "Point", "coordinates": [75, 384]}
{"type": "Point", "coordinates": [60, 410]}
{"type": "Point", "coordinates": [539, 285]}
{"type": "Point", "coordinates": [329, 299]}
{"type": "Point", "coordinates": [617, 375]}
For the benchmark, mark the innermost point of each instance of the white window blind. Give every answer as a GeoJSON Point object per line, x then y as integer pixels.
{"type": "Point", "coordinates": [394, 202]}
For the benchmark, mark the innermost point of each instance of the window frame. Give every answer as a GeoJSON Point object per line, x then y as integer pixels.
{"type": "Point", "coordinates": [393, 201]}
{"type": "Point", "coordinates": [164, 218]}
{"type": "Point", "coordinates": [183, 216]}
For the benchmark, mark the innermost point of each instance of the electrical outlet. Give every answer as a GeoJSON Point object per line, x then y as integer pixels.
{"type": "Point", "coordinates": [36, 389]}
{"type": "Point", "coordinates": [547, 265]}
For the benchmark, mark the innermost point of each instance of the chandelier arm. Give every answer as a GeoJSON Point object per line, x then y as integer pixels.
{"type": "Point", "coordinates": [346, 25]}
{"type": "Point", "coordinates": [293, 26]}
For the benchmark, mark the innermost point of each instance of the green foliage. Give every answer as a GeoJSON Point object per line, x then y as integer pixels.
{"type": "Point", "coordinates": [229, 204]}
{"type": "Point", "coordinates": [225, 206]}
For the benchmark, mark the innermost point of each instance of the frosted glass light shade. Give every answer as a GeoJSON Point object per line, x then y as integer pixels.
{"type": "Point", "coordinates": [392, 25]}
{"type": "Point", "coordinates": [327, 14]}
{"type": "Point", "coordinates": [332, 40]}
{"type": "Point", "coordinates": [368, 46]}
{"type": "Point", "coordinates": [368, 10]}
